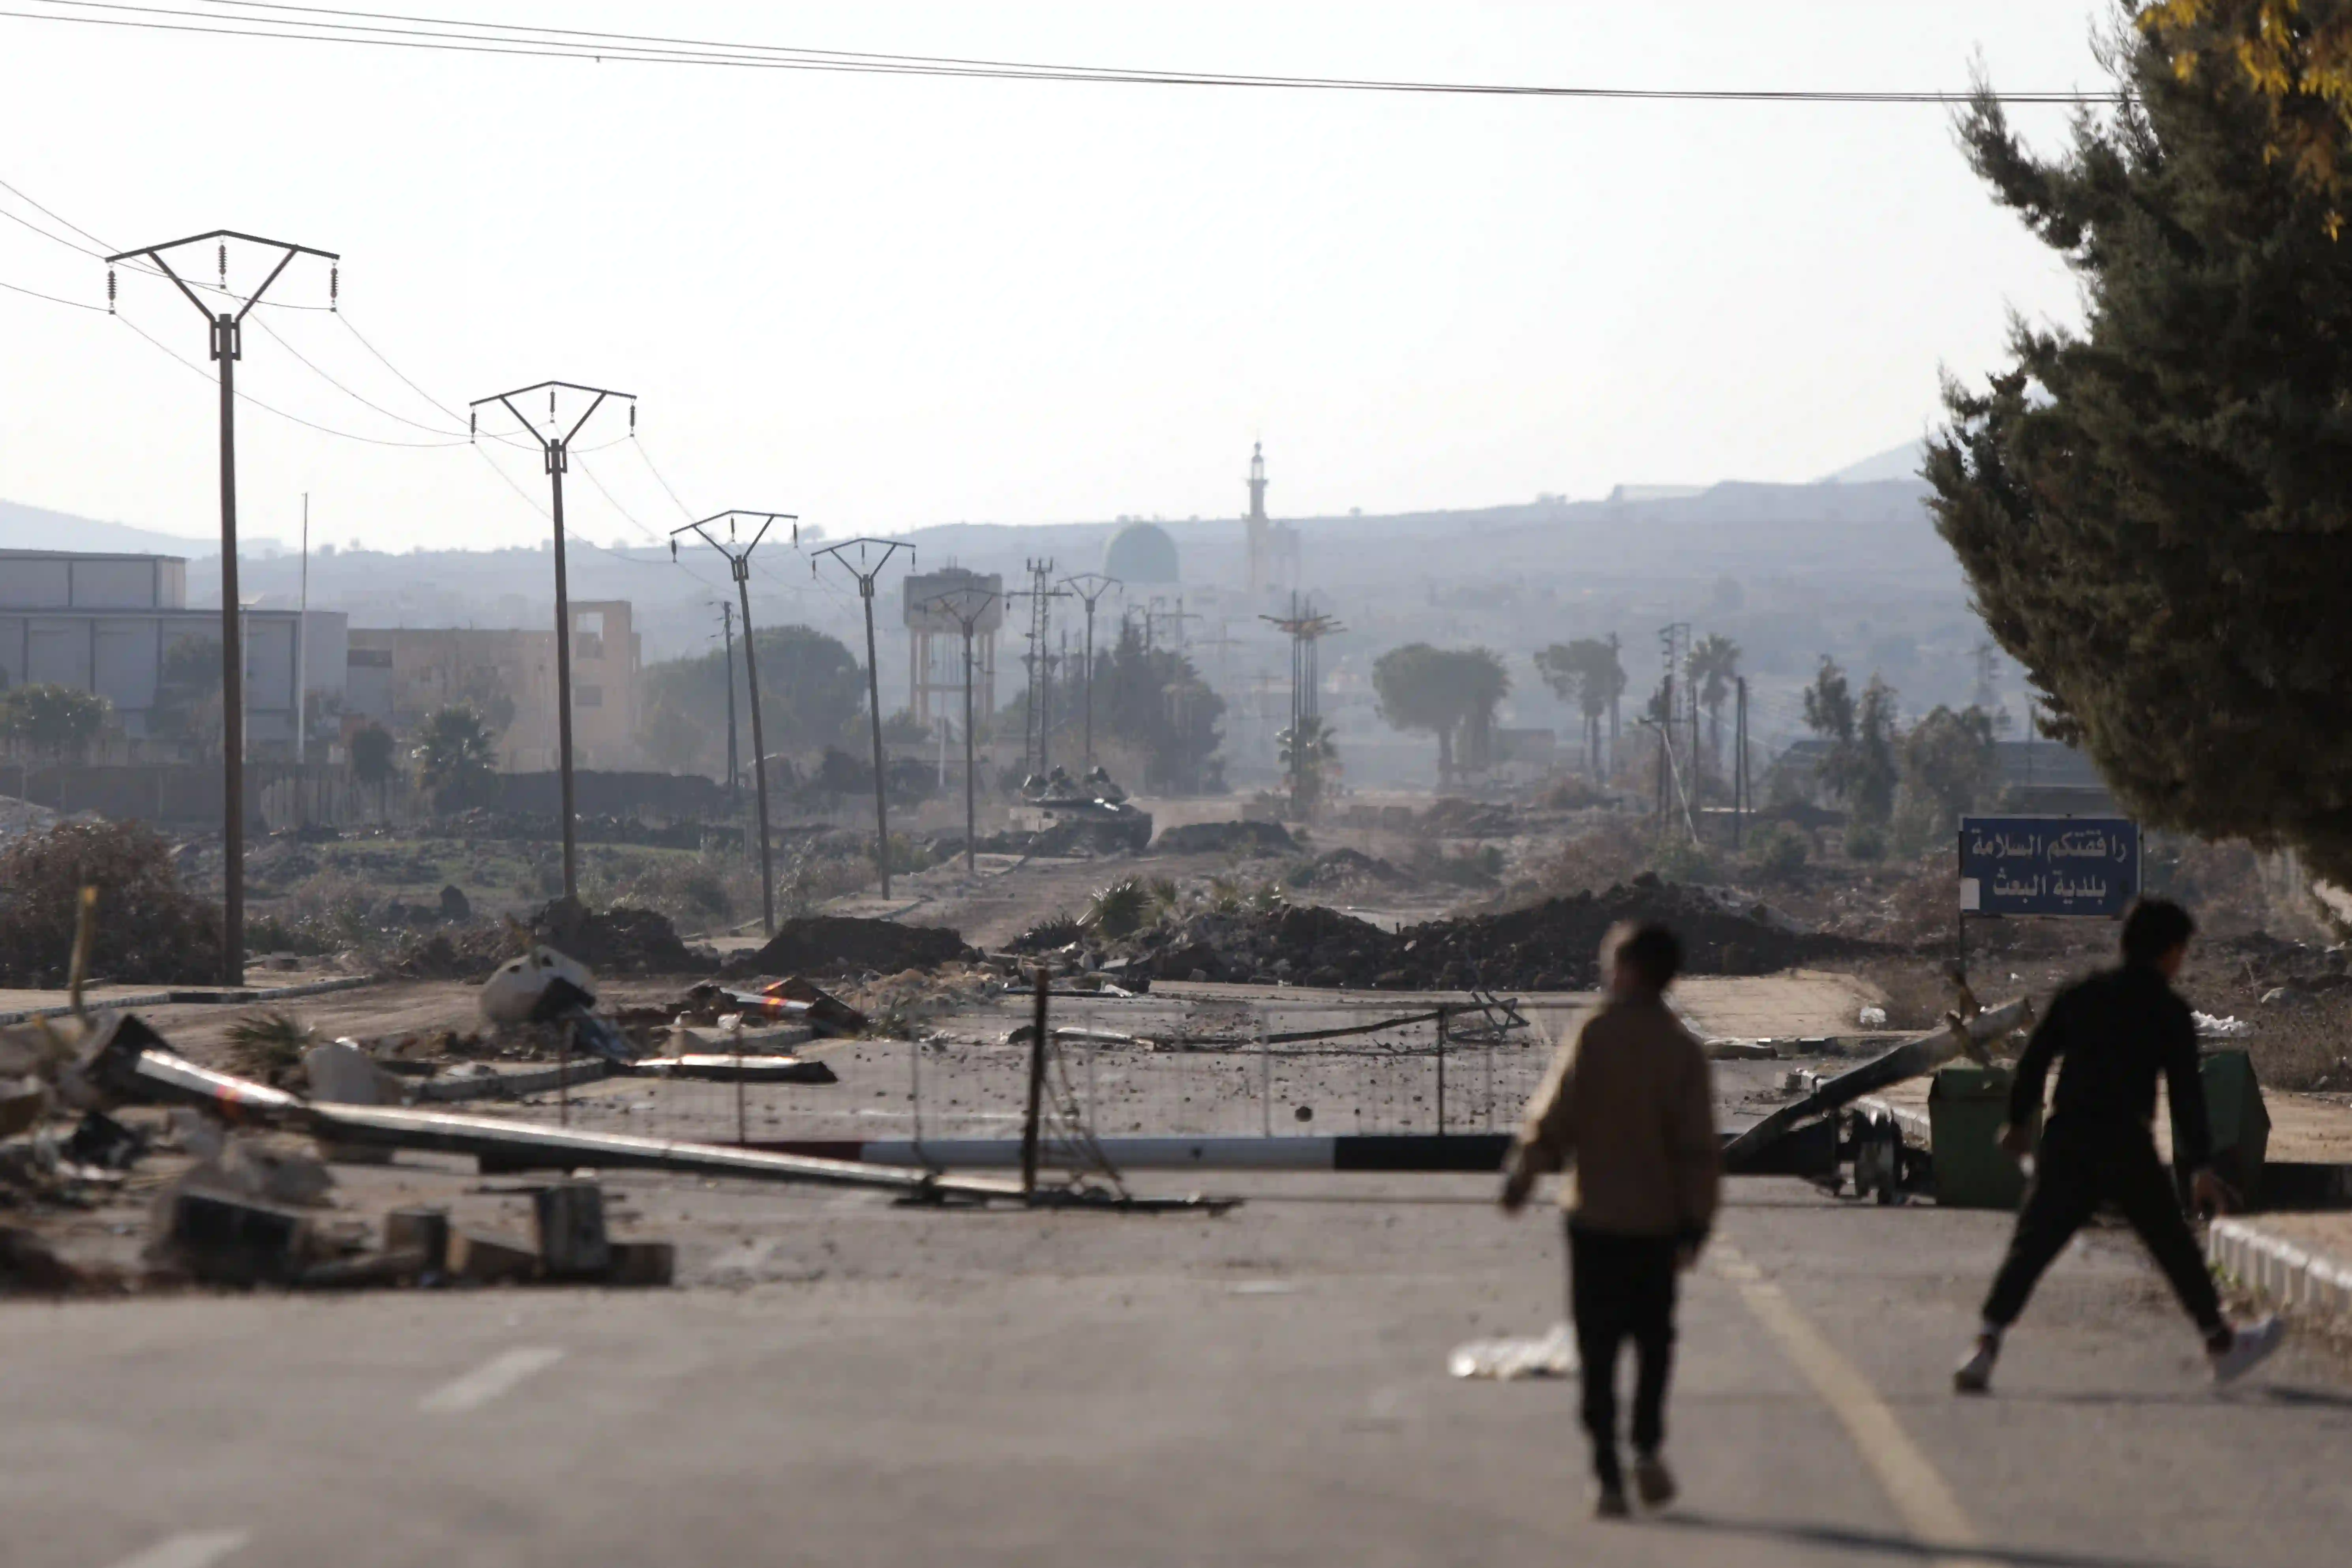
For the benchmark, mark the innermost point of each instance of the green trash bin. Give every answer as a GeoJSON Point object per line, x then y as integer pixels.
{"type": "Point", "coordinates": [1967, 1107]}
{"type": "Point", "coordinates": [2241, 1125]}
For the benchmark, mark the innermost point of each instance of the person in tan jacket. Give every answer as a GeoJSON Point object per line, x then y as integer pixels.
{"type": "Point", "coordinates": [1628, 1108]}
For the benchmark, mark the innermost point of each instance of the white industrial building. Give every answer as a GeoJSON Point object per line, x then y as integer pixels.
{"type": "Point", "coordinates": [111, 624]}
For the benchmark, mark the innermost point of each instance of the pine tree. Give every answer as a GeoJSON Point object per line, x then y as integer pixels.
{"type": "Point", "coordinates": [2154, 512]}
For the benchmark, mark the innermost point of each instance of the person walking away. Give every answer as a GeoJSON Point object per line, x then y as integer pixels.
{"type": "Point", "coordinates": [1630, 1105]}
{"type": "Point", "coordinates": [2111, 1034]}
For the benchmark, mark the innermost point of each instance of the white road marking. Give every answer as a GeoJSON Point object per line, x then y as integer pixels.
{"type": "Point", "coordinates": [1919, 1494]}
{"type": "Point", "coordinates": [189, 1549]}
{"type": "Point", "coordinates": [488, 1381]}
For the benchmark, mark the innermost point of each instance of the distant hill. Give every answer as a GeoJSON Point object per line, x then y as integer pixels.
{"type": "Point", "coordinates": [1895, 463]}
{"type": "Point", "coordinates": [32, 528]}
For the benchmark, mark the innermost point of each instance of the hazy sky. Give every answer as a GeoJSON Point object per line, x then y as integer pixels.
{"type": "Point", "coordinates": [884, 302]}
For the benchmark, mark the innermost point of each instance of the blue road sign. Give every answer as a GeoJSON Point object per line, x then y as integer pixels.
{"type": "Point", "coordinates": [2048, 865]}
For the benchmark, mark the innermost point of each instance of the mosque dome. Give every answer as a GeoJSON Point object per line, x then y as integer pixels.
{"type": "Point", "coordinates": [1141, 552]}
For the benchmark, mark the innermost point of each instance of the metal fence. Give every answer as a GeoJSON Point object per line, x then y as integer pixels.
{"type": "Point", "coordinates": [1117, 1068]}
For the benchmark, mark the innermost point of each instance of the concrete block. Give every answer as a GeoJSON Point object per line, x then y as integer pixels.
{"type": "Point", "coordinates": [571, 1240]}
{"type": "Point", "coordinates": [420, 1231]}
{"type": "Point", "coordinates": [342, 1074]}
{"type": "Point", "coordinates": [489, 1260]}
{"type": "Point", "coordinates": [642, 1263]}
{"type": "Point", "coordinates": [229, 1240]}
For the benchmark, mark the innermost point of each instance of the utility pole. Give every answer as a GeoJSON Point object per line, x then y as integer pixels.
{"type": "Point", "coordinates": [557, 450]}
{"type": "Point", "coordinates": [865, 573]}
{"type": "Point", "coordinates": [1305, 629]}
{"type": "Point", "coordinates": [1740, 805]}
{"type": "Point", "coordinates": [1040, 597]}
{"type": "Point", "coordinates": [739, 562]}
{"type": "Point", "coordinates": [965, 608]}
{"type": "Point", "coordinates": [301, 650]}
{"type": "Point", "coordinates": [734, 762]}
{"type": "Point", "coordinates": [1090, 587]}
{"type": "Point", "coordinates": [227, 347]}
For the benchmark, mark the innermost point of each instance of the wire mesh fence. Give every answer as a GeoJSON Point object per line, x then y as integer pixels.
{"type": "Point", "coordinates": [1123, 1067]}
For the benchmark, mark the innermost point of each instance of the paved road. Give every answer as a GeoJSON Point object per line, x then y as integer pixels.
{"type": "Point", "coordinates": [856, 1384]}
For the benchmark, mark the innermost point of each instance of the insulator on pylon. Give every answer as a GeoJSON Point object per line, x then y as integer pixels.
{"type": "Point", "coordinates": [473, 423]}
{"type": "Point", "coordinates": [673, 549]}
{"type": "Point", "coordinates": [109, 290]}
{"type": "Point", "coordinates": [633, 418]}
{"type": "Point", "coordinates": [334, 288]}
{"type": "Point", "coordinates": [224, 264]}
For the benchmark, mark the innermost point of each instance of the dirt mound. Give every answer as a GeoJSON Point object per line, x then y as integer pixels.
{"type": "Point", "coordinates": [619, 941]}
{"type": "Point", "coordinates": [460, 953]}
{"type": "Point", "coordinates": [843, 945]}
{"type": "Point", "coordinates": [1247, 836]}
{"type": "Point", "coordinates": [1554, 945]}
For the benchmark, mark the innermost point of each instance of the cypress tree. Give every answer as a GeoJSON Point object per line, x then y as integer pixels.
{"type": "Point", "coordinates": [2155, 510]}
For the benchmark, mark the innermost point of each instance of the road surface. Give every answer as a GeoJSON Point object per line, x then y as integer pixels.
{"type": "Point", "coordinates": [847, 1382]}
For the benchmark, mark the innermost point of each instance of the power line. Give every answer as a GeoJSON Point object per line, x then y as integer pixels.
{"type": "Point", "coordinates": [266, 408]}
{"type": "Point", "coordinates": [308, 365]}
{"type": "Point", "coordinates": [453, 35]}
{"type": "Point", "coordinates": [100, 254]}
{"type": "Point", "coordinates": [52, 299]}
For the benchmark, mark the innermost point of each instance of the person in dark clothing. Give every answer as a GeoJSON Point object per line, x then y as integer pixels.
{"type": "Point", "coordinates": [2112, 1034]}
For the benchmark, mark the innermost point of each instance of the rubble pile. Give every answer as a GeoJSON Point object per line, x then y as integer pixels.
{"type": "Point", "coordinates": [454, 953]}
{"type": "Point", "coordinates": [1554, 945]}
{"type": "Point", "coordinates": [1344, 869]}
{"type": "Point", "coordinates": [1246, 836]}
{"type": "Point", "coordinates": [620, 940]}
{"type": "Point", "coordinates": [845, 945]}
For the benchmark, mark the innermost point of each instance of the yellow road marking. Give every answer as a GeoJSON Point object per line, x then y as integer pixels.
{"type": "Point", "coordinates": [1919, 1494]}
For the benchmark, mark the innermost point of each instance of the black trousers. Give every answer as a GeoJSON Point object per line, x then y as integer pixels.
{"type": "Point", "coordinates": [2080, 1165]}
{"type": "Point", "coordinates": [1621, 1287]}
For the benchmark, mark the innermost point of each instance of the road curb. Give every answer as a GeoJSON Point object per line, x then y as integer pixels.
{"type": "Point", "coordinates": [2289, 1274]}
{"type": "Point", "coordinates": [237, 998]}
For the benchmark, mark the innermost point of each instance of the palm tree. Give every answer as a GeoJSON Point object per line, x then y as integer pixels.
{"type": "Point", "coordinates": [1588, 673]}
{"type": "Point", "coordinates": [454, 756]}
{"type": "Point", "coordinates": [1714, 668]}
{"type": "Point", "coordinates": [1311, 758]}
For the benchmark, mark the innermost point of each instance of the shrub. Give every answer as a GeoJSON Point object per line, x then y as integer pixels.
{"type": "Point", "coordinates": [150, 930]}
{"type": "Point", "coordinates": [1780, 852]}
{"type": "Point", "coordinates": [1863, 842]}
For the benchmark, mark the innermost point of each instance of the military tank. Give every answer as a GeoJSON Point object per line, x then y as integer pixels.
{"type": "Point", "coordinates": [1068, 812]}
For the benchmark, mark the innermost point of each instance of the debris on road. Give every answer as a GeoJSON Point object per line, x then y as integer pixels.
{"type": "Point", "coordinates": [1910, 1060]}
{"type": "Point", "coordinates": [712, 1068]}
{"type": "Point", "coordinates": [1509, 1360]}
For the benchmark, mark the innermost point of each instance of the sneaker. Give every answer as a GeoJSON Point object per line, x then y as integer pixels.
{"type": "Point", "coordinates": [2249, 1346]}
{"type": "Point", "coordinates": [1653, 1482]}
{"type": "Point", "coordinates": [1609, 1502]}
{"type": "Point", "coordinates": [1974, 1375]}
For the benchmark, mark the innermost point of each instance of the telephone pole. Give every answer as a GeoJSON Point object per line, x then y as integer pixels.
{"type": "Point", "coordinates": [227, 347]}
{"type": "Point", "coordinates": [1090, 587]}
{"type": "Point", "coordinates": [1305, 629]}
{"type": "Point", "coordinates": [734, 762]}
{"type": "Point", "coordinates": [865, 573]}
{"type": "Point", "coordinates": [739, 562]}
{"type": "Point", "coordinates": [965, 608]}
{"type": "Point", "coordinates": [1040, 596]}
{"type": "Point", "coordinates": [557, 450]}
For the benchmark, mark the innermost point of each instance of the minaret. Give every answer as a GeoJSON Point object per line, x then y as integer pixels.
{"type": "Point", "coordinates": [1257, 521]}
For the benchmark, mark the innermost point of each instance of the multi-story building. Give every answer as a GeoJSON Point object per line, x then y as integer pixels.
{"type": "Point", "coordinates": [119, 625]}
{"type": "Point", "coordinates": [399, 675]}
